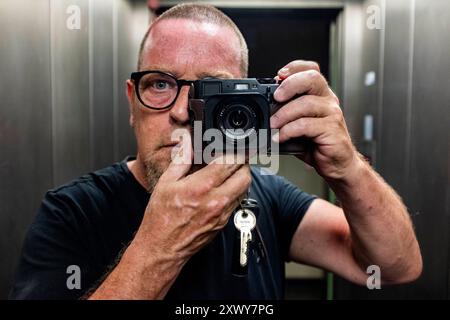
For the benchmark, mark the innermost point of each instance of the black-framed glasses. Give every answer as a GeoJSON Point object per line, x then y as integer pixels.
{"type": "Point", "coordinates": [158, 90]}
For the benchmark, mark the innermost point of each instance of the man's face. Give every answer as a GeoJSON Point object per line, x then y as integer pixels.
{"type": "Point", "coordinates": [188, 50]}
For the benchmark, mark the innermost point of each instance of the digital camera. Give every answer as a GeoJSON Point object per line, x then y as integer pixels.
{"type": "Point", "coordinates": [240, 110]}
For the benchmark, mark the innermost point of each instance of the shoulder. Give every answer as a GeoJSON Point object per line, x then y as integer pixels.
{"type": "Point", "coordinates": [103, 181]}
{"type": "Point", "coordinates": [100, 180]}
{"type": "Point", "coordinates": [93, 190]}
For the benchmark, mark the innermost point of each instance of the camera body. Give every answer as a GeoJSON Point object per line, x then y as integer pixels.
{"type": "Point", "coordinates": [240, 109]}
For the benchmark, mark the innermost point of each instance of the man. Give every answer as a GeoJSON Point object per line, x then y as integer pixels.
{"type": "Point", "coordinates": [150, 228]}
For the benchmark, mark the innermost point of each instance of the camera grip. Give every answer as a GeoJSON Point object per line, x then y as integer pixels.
{"type": "Point", "coordinates": [293, 146]}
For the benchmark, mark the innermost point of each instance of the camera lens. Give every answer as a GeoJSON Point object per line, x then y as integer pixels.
{"type": "Point", "coordinates": [237, 121]}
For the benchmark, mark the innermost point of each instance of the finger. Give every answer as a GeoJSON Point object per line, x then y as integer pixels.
{"type": "Point", "coordinates": [218, 170]}
{"type": "Point", "coordinates": [236, 185]}
{"type": "Point", "coordinates": [227, 212]}
{"type": "Point", "coordinates": [182, 156]}
{"type": "Point", "coordinates": [305, 82]}
{"type": "Point", "coordinates": [335, 97]}
{"type": "Point", "coordinates": [304, 106]}
{"type": "Point", "coordinates": [297, 66]}
{"type": "Point", "coordinates": [303, 127]}
{"type": "Point", "coordinates": [235, 188]}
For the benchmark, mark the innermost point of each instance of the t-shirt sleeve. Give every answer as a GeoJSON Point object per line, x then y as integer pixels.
{"type": "Point", "coordinates": [292, 206]}
{"type": "Point", "coordinates": [52, 264]}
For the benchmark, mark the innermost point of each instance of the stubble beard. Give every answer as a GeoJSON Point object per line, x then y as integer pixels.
{"type": "Point", "coordinates": [154, 169]}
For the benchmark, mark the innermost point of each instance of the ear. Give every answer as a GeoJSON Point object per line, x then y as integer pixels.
{"type": "Point", "coordinates": [131, 100]}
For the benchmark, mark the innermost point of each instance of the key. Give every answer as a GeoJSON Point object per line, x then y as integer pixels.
{"type": "Point", "coordinates": [245, 222]}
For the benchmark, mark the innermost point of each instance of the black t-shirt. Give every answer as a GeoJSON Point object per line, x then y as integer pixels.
{"type": "Point", "coordinates": [89, 221]}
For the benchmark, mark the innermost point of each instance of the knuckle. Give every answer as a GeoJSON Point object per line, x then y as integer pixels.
{"type": "Point", "coordinates": [337, 111]}
{"type": "Point", "coordinates": [217, 205]}
{"type": "Point", "coordinates": [183, 203]}
{"type": "Point", "coordinates": [296, 63]}
{"type": "Point", "coordinates": [301, 123]}
{"type": "Point", "coordinates": [223, 202]}
{"type": "Point", "coordinates": [337, 122]}
{"type": "Point", "coordinates": [306, 101]}
{"type": "Point", "coordinates": [279, 115]}
{"type": "Point", "coordinates": [315, 66]}
{"type": "Point", "coordinates": [334, 96]}
{"type": "Point", "coordinates": [194, 192]}
{"type": "Point", "coordinates": [212, 207]}
{"type": "Point", "coordinates": [204, 187]}
{"type": "Point", "coordinates": [191, 205]}
{"type": "Point", "coordinates": [314, 75]}
{"type": "Point", "coordinates": [247, 179]}
{"type": "Point", "coordinates": [209, 184]}
{"type": "Point", "coordinates": [339, 116]}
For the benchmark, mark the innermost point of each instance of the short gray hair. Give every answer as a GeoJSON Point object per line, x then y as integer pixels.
{"type": "Point", "coordinates": [202, 13]}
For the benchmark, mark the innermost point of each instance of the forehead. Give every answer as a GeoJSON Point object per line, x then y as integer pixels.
{"type": "Point", "coordinates": [192, 49]}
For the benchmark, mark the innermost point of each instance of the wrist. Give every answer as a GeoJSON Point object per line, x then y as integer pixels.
{"type": "Point", "coordinates": [149, 256]}
{"type": "Point", "coordinates": [352, 175]}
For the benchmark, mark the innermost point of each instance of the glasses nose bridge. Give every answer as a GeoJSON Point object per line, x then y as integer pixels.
{"type": "Point", "coordinates": [179, 108]}
{"type": "Point", "coordinates": [190, 83]}
{"type": "Point", "coordinates": [183, 83]}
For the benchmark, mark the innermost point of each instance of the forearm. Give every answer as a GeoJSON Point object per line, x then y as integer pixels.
{"type": "Point", "coordinates": [140, 274]}
{"type": "Point", "coordinates": [381, 230]}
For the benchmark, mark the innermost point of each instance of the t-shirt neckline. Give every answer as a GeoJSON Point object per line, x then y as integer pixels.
{"type": "Point", "coordinates": [133, 180]}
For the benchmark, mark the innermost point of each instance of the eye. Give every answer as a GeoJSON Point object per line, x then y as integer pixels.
{"type": "Point", "coordinates": [160, 85]}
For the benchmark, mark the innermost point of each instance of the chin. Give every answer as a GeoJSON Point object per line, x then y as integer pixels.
{"type": "Point", "coordinates": [155, 164]}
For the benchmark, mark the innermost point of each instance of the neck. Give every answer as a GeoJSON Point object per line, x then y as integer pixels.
{"type": "Point", "coordinates": [137, 169]}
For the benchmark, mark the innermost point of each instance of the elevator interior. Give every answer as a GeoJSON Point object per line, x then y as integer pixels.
{"type": "Point", "coordinates": [63, 109]}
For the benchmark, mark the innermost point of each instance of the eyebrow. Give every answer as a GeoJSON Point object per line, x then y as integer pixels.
{"type": "Point", "coordinates": [218, 74]}
{"type": "Point", "coordinates": [202, 75]}
{"type": "Point", "coordinates": [159, 68]}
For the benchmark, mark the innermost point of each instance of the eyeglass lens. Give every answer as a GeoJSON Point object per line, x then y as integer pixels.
{"type": "Point", "coordinates": [157, 90]}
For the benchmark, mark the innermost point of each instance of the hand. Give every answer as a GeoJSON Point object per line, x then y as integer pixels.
{"type": "Point", "coordinates": [316, 115]}
{"type": "Point", "coordinates": [186, 211]}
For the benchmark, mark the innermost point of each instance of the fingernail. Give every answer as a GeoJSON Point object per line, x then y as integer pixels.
{"type": "Point", "coordinates": [283, 71]}
{"type": "Point", "coordinates": [276, 137]}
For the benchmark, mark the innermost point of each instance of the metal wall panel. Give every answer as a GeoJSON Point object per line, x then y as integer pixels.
{"type": "Point", "coordinates": [390, 114]}
{"type": "Point", "coordinates": [393, 120]}
{"type": "Point", "coordinates": [58, 92]}
{"type": "Point", "coordinates": [429, 170]}
{"type": "Point", "coordinates": [70, 92]}
{"type": "Point", "coordinates": [372, 43]}
{"type": "Point", "coordinates": [25, 124]}
{"type": "Point", "coordinates": [395, 117]}
{"type": "Point", "coordinates": [413, 146]}
{"type": "Point", "coordinates": [350, 22]}
{"type": "Point", "coordinates": [101, 83]}
{"type": "Point", "coordinates": [359, 55]}
{"type": "Point", "coordinates": [126, 51]}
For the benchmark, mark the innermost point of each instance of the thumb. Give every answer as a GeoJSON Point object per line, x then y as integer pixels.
{"type": "Point", "coordinates": [182, 155]}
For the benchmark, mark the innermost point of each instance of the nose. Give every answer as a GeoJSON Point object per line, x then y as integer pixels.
{"type": "Point", "coordinates": [179, 112]}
